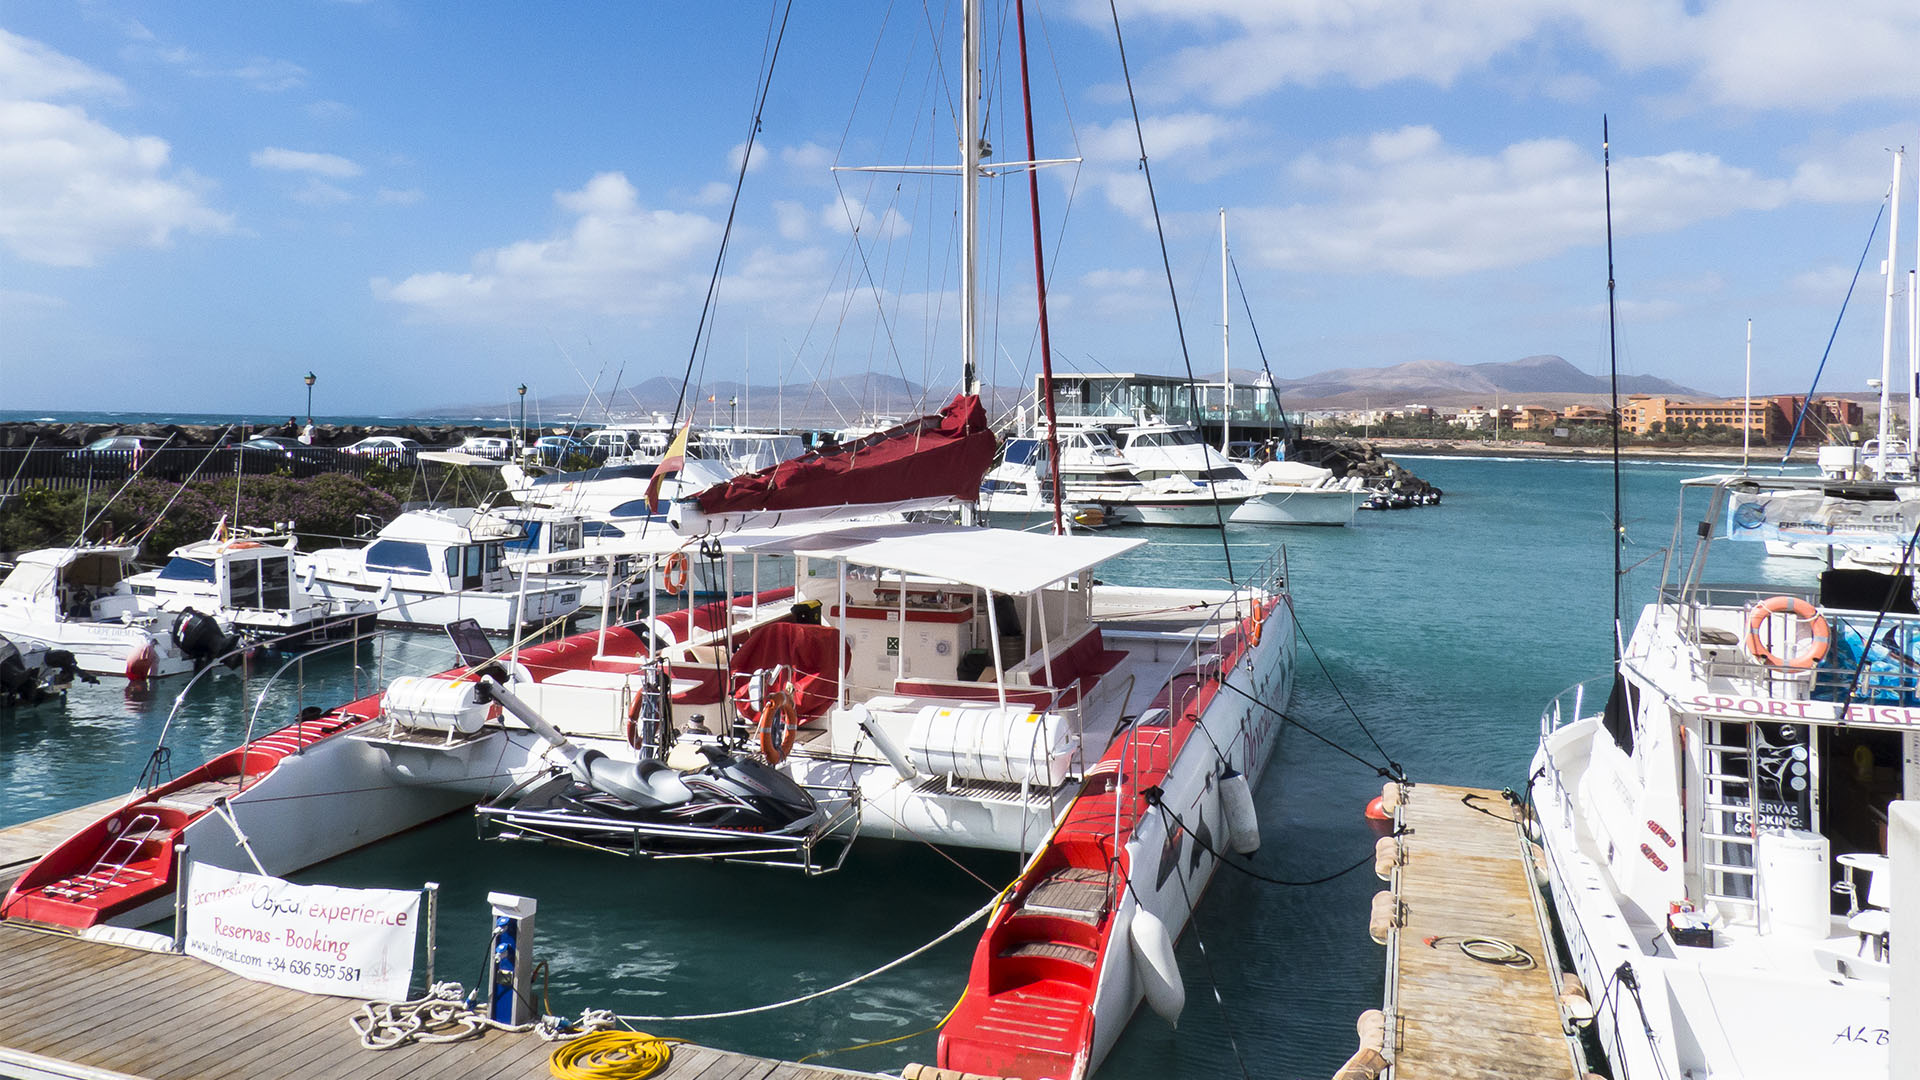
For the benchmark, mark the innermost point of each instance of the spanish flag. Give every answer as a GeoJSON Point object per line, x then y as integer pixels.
{"type": "Point", "coordinates": [675, 458]}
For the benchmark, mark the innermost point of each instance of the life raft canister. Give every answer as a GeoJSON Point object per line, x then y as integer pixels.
{"type": "Point", "coordinates": [1820, 635]}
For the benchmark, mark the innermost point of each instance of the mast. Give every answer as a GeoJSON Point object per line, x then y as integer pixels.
{"type": "Point", "coordinates": [969, 196]}
{"type": "Point", "coordinates": [1746, 424]}
{"type": "Point", "coordinates": [1226, 368]}
{"type": "Point", "coordinates": [1886, 338]}
{"type": "Point", "coordinates": [1613, 383]}
{"type": "Point", "coordinates": [1040, 278]}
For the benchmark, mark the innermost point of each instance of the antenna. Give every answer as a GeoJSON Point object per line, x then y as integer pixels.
{"type": "Point", "coordinates": [1613, 380]}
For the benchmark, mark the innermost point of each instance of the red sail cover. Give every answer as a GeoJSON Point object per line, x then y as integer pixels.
{"type": "Point", "coordinates": [942, 456]}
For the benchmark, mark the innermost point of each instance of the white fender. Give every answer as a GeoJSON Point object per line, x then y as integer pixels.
{"type": "Point", "coordinates": [1236, 807]}
{"type": "Point", "coordinates": [1155, 965]}
{"type": "Point", "coordinates": [386, 592]}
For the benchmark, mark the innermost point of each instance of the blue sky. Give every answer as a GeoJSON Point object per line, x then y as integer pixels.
{"type": "Point", "coordinates": [430, 203]}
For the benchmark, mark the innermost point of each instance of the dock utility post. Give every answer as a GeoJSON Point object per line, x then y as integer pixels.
{"type": "Point", "coordinates": [510, 959]}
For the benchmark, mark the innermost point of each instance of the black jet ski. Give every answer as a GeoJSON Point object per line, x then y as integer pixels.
{"type": "Point", "coordinates": [732, 806]}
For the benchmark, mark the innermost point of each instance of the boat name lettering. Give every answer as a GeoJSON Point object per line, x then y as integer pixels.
{"type": "Point", "coordinates": [1897, 715]}
{"type": "Point", "coordinates": [1874, 1036]}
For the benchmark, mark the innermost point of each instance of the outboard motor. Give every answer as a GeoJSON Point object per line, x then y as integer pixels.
{"type": "Point", "coordinates": [18, 685]}
{"type": "Point", "coordinates": [60, 669]}
{"type": "Point", "coordinates": [201, 638]}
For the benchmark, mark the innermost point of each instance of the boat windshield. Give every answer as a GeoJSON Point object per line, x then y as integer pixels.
{"type": "Point", "coordinates": [181, 568]}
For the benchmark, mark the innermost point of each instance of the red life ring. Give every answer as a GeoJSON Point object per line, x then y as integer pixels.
{"type": "Point", "coordinates": [674, 577]}
{"type": "Point", "coordinates": [1821, 636]}
{"type": "Point", "coordinates": [778, 723]}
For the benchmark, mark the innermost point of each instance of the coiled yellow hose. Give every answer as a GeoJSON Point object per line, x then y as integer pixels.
{"type": "Point", "coordinates": [611, 1055]}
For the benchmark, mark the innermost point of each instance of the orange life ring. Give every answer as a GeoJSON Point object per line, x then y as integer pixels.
{"type": "Point", "coordinates": [1253, 629]}
{"type": "Point", "coordinates": [1821, 635]}
{"type": "Point", "coordinates": [778, 723]}
{"type": "Point", "coordinates": [674, 577]}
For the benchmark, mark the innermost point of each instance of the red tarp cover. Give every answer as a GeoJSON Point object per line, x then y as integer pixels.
{"type": "Point", "coordinates": [932, 457]}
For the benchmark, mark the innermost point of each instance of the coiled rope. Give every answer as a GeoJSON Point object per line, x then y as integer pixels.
{"type": "Point", "coordinates": [611, 1055]}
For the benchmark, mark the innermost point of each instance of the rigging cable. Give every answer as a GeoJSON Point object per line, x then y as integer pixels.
{"type": "Point", "coordinates": [1391, 770]}
{"type": "Point", "coordinates": [1193, 396]}
{"type": "Point", "coordinates": [1154, 798]}
{"type": "Point", "coordinates": [1807, 405]}
{"type": "Point", "coordinates": [1399, 773]}
{"type": "Point", "coordinates": [1286, 429]}
{"type": "Point", "coordinates": [733, 208]}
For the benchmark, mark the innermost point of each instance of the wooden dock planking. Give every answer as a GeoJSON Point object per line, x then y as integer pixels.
{"type": "Point", "coordinates": [1465, 875]}
{"type": "Point", "coordinates": [21, 844]}
{"type": "Point", "coordinates": [170, 1017]}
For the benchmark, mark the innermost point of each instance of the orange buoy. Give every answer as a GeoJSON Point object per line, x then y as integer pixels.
{"type": "Point", "coordinates": [1377, 810]}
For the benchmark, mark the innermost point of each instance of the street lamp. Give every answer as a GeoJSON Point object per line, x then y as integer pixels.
{"type": "Point", "coordinates": [523, 416]}
{"type": "Point", "coordinates": [310, 381]}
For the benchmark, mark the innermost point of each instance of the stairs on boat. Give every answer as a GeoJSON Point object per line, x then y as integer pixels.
{"type": "Point", "coordinates": [1028, 1009]}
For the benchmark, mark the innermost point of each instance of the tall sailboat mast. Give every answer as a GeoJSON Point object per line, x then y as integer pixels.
{"type": "Point", "coordinates": [969, 197]}
{"type": "Point", "coordinates": [1226, 367]}
{"type": "Point", "coordinates": [1886, 339]}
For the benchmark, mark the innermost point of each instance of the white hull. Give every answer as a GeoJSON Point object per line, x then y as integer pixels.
{"type": "Point", "coordinates": [1160, 510]}
{"type": "Point", "coordinates": [102, 648]}
{"type": "Point", "coordinates": [498, 613]}
{"type": "Point", "coordinates": [1748, 1008]}
{"type": "Point", "coordinates": [1300, 507]}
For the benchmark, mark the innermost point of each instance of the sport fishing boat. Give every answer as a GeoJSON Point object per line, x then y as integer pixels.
{"type": "Point", "coordinates": [78, 600]}
{"type": "Point", "coordinates": [1296, 493]}
{"type": "Point", "coordinates": [247, 580]}
{"type": "Point", "coordinates": [433, 567]}
{"type": "Point", "coordinates": [1096, 476]}
{"type": "Point", "coordinates": [1716, 830]}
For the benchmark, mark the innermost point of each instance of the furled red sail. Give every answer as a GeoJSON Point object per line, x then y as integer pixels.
{"type": "Point", "coordinates": [937, 457]}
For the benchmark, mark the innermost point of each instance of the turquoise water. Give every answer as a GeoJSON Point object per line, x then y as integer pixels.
{"type": "Point", "coordinates": [1446, 628]}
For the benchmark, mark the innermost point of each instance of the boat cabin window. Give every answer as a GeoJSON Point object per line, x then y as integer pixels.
{"type": "Point", "coordinates": [180, 568]}
{"type": "Point", "coordinates": [598, 529]}
{"type": "Point", "coordinates": [1180, 437]}
{"type": "Point", "coordinates": [403, 556]}
{"type": "Point", "coordinates": [634, 508]}
{"type": "Point", "coordinates": [529, 538]}
{"type": "Point", "coordinates": [1021, 451]}
{"type": "Point", "coordinates": [258, 583]}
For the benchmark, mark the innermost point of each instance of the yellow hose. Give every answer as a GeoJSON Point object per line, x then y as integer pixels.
{"type": "Point", "coordinates": [611, 1055]}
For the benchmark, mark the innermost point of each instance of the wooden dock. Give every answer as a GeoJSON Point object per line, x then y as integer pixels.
{"type": "Point", "coordinates": [1465, 877]}
{"type": "Point", "coordinates": [95, 1011]}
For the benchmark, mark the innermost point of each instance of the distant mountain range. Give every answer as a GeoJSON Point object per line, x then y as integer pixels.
{"type": "Point", "coordinates": [1545, 380]}
{"type": "Point", "coordinates": [1438, 382]}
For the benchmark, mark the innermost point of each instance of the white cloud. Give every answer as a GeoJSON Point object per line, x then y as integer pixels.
{"type": "Point", "coordinates": [330, 165]}
{"type": "Point", "coordinates": [618, 258]}
{"type": "Point", "coordinates": [399, 196]}
{"type": "Point", "coordinates": [1759, 54]}
{"type": "Point", "coordinates": [1405, 202]}
{"type": "Point", "coordinates": [317, 192]}
{"type": "Point", "coordinates": [1827, 284]}
{"type": "Point", "coordinates": [18, 303]}
{"type": "Point", "coordinates": [791, 219]}
{"type": "Point", "coordinates": [76, 189]}
{"type": "Point", "coordinates": [31, 71]}
{"type": "Point", "coordinates": [265, 74]}
{"type": "Point", "coordinates": [1198, 145]}
{"type": "Point", "coordinates": [810, 161]}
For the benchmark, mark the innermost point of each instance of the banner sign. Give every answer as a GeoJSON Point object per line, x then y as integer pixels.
{"type": "Point", "coordinates": [1858, 714]}
{"type": "Point", "coordinates": [1817, 518]}
{"type": "Point", "coordinates": [316, 938]}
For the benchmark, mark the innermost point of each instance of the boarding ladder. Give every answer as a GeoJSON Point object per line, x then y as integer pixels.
{"type": "Point", "coordinates": [112, 863]}
{"type": "Point", "coordinates": [1727, 828]}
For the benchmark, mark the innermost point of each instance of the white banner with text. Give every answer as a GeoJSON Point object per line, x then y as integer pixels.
{"type": "Point", "coordinates": [317, 938]}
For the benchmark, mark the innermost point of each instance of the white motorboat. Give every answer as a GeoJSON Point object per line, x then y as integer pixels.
{"type": "Point", "coordinates": [1715, 823]}
{"type": "Point", "coordinates": [1295, 493]}
{"type": "Point", "coordinates": [433, 567]}
{"type": "Point", "coordinates": [78, 600]}
{"type": "Point", "coordinates": [248, 581]}
{"type": "Point", "coordinates": [1095, 475]}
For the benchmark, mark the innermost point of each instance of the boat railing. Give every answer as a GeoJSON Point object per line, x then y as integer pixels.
{"type": "Point", "coordinates": [1869, 657]}
{"type": "Point", "coordinates": [150, 774]}
{"type": "Point", "coordinates": [1582, 699]}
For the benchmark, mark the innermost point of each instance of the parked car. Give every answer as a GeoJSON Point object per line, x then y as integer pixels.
{"type": "Point", "coordinates": [556, 449]}
{"type": "Point", "coordinates": [270, 453]}
{"type": "Point", "coordinates": [487, 446]}
{"type": "Point", "coordinates": [115, 455]}
{"type": "Point", "coordinates": [389, 450]}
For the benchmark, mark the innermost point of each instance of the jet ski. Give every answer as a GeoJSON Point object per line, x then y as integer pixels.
{"type": "Point", "coordinates": [733, 807]}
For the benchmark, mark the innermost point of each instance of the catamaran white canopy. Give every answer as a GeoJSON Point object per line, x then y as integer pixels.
{"type": "Point", "coordinates": [999, 560]}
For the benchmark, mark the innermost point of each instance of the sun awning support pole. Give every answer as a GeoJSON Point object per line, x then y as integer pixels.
{"type": "Point", "coordinates": [999, 668]}
{"type": "Point", "coordinates": [841, 566]}
{"type": "Point", "coordinates": [900, 643]}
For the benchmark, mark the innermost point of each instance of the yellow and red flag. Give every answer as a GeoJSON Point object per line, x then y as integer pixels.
{"type": "Point", "coordinates": [674, 460]}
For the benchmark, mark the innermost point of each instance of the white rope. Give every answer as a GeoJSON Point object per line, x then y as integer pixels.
{"type": "Point", "coordinates": [855, 981]}
{"type": "Point", "coordinates": [443, 1017]}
